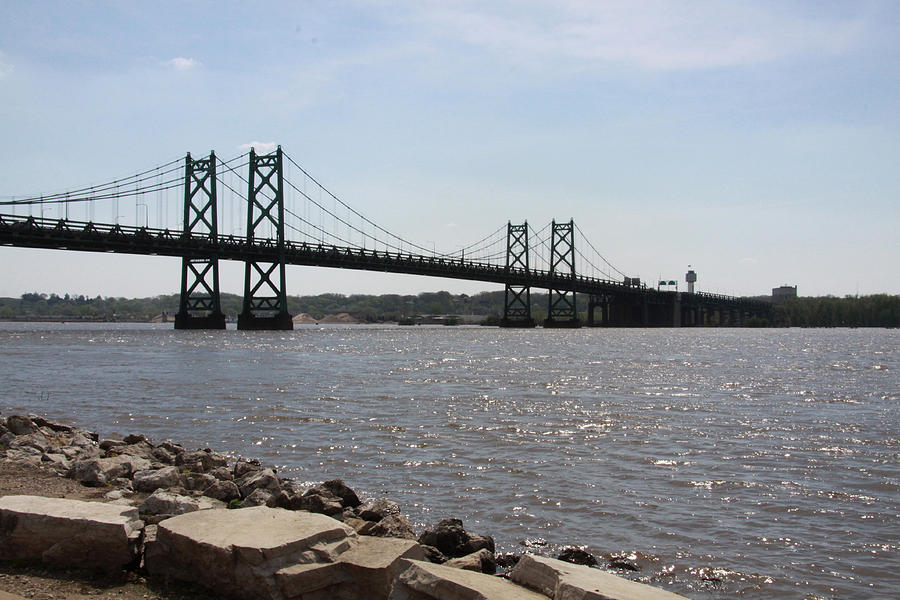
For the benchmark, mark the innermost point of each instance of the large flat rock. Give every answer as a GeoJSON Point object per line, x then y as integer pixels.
{"type": "Point", "coordinates": [236, 553]}
{"type": "Point", "coordinates": [565, 581]}
{"type": "Point", "coordinates": [427, 581]}
{"type": "Point", "coordinates": [374, 564]}
{"type": "Point", "coordinates": [67, 532]}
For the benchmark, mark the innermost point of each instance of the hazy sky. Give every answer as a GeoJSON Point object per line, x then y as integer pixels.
{"type": "Point", "coordinates": [757, 141]}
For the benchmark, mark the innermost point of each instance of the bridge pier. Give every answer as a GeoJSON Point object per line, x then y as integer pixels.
{"type": "Point", "coordinates": [595, 302]}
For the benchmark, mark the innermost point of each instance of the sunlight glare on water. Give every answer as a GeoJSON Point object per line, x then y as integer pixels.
{"type": "Point", "coordinates": [721, 462]}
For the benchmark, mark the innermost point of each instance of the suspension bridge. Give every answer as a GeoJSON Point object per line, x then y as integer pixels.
{"type": "Point", "coordinates": [268, 212]}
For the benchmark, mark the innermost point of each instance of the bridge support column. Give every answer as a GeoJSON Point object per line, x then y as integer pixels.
{"type": "Point", "coordinates": [562, 310]}
{"type": "Point", "coordinates": [600, 301]}
{"type": "Point", "coordinates": [517, 298]}
{"type": "Point", "coordinates": [265, 299]}
{"type": "Point", "coordinates": [200, 305]}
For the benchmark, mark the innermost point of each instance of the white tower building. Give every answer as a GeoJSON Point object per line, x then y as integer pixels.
{"type": "Point", "coordinates": [691, 278]}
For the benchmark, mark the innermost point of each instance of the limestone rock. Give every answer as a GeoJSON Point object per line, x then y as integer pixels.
{"type": "Point", "coordinates": [171, 448]}
{"type": "Point", "coordinates": [577, 556]}
{"type": "Point", "coordinates": [236, 553]}
{"type": "Point", "coordinates": [164, 502]}
{"type": "Point", "coordinates": [434, 555]}
{"type": "Point", "coordinates": [20, 425]}
{"type": "Point", "coordinates": [198, 481]}
{"type": "Point", "coordinates": [375, 563]}
{"type": "Point", "coordinates": [58, 462]}
{"type": "Point", "coordinates": [259, 480]}
{"type": "Point", "coordinates": [57, 427]}
{"type": "Point", "coordinates": [560, 579]}
{"type": "Point", "coordinates": [257, 498]}
{"type": "Point", "coordinates": [98, 471]}
{"type": "Point", "coordinates": [107, 445]}
{"type": "Point", "coordinates": [481, 562]}
{"type": "Point", "coordinates": [242, 467]}
{"type": "Point", "coordinates": [68, 533]}
{"type": "Point", "coordinates": [319, 503]}
{"type": "Point", "coordinates": [341, 490]}
{"type": "Point", "coordinates": [226, 491]}
{"type": "Point", "coordinates": [140, 449]}
{"type": "Point", "coordinates": [200, 461]}
{"type": "Point", "coordinates": [150, 480]}
{"type": "Point", "coordinates": [163, 456]}
{"type": "Point", "coordinates": [393, 526]}
{"type": "Point", "coordinates": [428, 581]}
{"type": "Point", "coordinates": [379, 509]}
{"type": "Point", "coordinates": [34, 440]}
{"type": "Point", "coordinates": [222, 474]}
{"type": "Point", "coordinates": [450, 537]}
{"type": "Point", "coordinates": [136, 438]}
{"type": "Point", "coordinates": [312, 580]}
{"type": "Point", "coordinates": [26, 456]}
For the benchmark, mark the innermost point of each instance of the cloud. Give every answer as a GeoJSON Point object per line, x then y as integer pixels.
{"type": "Point", "coordinates": [5, 67]}
{"type": "Point", "coordinates": [645, 34]}
{"type": "Point", "coordinates": [183, 64]}
{"type": "Point", "coordinates": [260, 147]}
{"type": "Point", "coordinates": [749, 261]}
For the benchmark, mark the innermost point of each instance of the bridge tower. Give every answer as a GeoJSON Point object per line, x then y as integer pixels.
{"type": "Point", "coordinates": [562, 310]}
{"type": "Point", "coordinates": [265, 299]}
{"type": "Point", "coordinates": [517, 299]}
{"type": "Point", "coordinates": [200, 306]}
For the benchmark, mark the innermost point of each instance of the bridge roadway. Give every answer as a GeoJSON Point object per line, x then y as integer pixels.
{"type": "Point", "coordinates": [636, 305]}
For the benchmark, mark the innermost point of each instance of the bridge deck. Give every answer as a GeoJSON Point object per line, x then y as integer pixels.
{"type": "Point", "coordinates": [35, 232]}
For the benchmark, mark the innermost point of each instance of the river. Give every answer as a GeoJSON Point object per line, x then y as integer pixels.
{"type": "Point", "coordinates": [725, 463]}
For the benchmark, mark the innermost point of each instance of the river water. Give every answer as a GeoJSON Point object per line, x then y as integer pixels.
{"type": "Point", "coordinates": [725, 463]}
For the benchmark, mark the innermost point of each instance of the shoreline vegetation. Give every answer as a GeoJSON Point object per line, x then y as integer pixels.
{"type": "Point", "coordinates": [160, 483]}
{"type": "Point", "coordinates": [485, 308]}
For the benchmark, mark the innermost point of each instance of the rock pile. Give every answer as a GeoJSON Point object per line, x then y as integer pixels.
{"type": "Point", "coordinates": [168, 514]}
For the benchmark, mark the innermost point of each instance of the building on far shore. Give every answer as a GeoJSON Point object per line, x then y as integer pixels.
{"type": "Point", "coordinates": [783, 293]}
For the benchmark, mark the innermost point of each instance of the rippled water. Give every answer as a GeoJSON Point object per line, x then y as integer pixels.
{"type": "Point", "coordinates": [725, 463]}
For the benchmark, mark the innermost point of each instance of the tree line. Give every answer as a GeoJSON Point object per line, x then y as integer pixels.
{"type": "Point", "coordinates": [879, 310]}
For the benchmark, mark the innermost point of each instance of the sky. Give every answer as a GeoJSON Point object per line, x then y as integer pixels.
{"type": "Point", "coordinates": [756, 141]}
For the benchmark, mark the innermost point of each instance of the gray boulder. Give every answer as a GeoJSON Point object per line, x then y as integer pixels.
{"type": "Point", "coordinates": [560, 579]}
{"type": "Point", "coordinates": [257, 498]}
{"type": "Point", "coordinates": [20, 425]}
{"type": "Point", "coordinates": [200, 461]}
{"type": "Point", "coordinates": [379, 509]}
{"type": "Point", "coordinates": [427, 581]}
{"type": "Point", "coordinates": [259, 480]}
{"type": "Point", "coordinates": [225, 491]}
{"type": "Point", "coordinates": [481, 562]}
{"type": "Point", "coordinates": [197, 481]}
{"type": "Point", "coordinates": [69, 533]}
{"type": "Point", "coordinates": [99, 471]}
{"type": "Point", "coordinates": [150, 480]}
{"type": "Point", "coordinates": [393, 526]}
{"type": "Point", "coordinates": [450, 537]}
{"type": "Point", "coordinates": [236, 553]}
{"type": "Point", "coordinates": [164, 502]}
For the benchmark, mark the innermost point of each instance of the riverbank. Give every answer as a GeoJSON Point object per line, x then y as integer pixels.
{"type": "Point", "coordinates": [39, 457]}
{"type": "Point", "coordinates": [43, 582]}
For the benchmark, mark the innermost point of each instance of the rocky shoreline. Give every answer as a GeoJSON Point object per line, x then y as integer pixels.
{"type": "Point", "coordinates": [164, 486]}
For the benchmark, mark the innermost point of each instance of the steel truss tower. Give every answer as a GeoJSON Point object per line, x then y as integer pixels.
{"type": "Point", "coordinates": [265, 300]}
{"type": "Point", "coordinates": [562, 310]}
{"type": "Point", "coordinates": [200, 306]}
{"type": "Point", "coordinates": [517, 304]}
